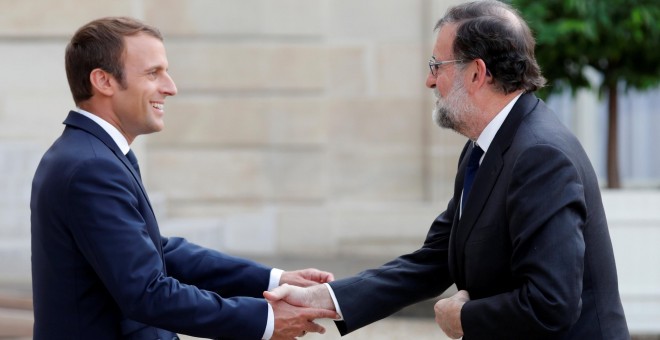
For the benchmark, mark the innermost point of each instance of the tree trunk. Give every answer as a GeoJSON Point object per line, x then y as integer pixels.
{"type": "Point", "coordinates": [613, 177]}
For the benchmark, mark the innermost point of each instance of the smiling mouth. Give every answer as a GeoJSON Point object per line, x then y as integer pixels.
{"type": "Point", "coordinates": [158, 106]}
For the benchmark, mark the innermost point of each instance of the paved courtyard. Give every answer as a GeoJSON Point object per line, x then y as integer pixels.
{"type": "Point", "coordinates": [394, 328]}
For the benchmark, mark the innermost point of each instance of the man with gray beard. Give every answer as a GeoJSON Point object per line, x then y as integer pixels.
{"type": "Point", "coordinates": [524, 237]}
{"type": "Point", "coordinates": [445, 110]}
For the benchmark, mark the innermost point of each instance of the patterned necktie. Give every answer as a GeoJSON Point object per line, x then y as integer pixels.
{"type": "Point", "coordinates": [134, 162]}
{"type": "Point", "coordinates": [471, 171]}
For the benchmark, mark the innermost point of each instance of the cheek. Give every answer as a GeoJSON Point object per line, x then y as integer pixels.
{"type": "Point", "coordinates": [444, 84]}
{"type": "Point", "coordinates": [443, 88]}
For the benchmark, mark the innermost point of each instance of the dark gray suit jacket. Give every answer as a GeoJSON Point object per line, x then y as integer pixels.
{"type": "Point", "coordinates": [532, 248]}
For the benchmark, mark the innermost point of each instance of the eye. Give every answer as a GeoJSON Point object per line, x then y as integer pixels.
{"type": "Point", "coordinates": [152, 74]}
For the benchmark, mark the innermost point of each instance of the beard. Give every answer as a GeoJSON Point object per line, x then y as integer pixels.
{"type": "Point", "coordinates": [453, 110]}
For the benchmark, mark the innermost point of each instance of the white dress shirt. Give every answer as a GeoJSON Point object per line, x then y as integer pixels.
{"type": "Point", "coordinates": [488, 134]}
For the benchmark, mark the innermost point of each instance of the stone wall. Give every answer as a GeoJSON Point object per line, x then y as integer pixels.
{"type": "Point", "coordinates": [301, 128]}
{"type": "Point", "coordinates": [634, 220]}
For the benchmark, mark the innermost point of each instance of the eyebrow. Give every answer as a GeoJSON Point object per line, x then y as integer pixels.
{"type": "Point", "coordinates": [154, 68]}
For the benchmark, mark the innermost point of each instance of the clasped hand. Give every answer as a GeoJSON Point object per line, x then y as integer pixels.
{"type": "Point", "coordinates": [316, 301]}
{"type": "Point", "coordinates": [448, 314]}
{"type": "Point", "coordinates": [293, 307]}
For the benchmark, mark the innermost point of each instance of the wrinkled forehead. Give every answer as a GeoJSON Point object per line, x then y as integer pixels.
{"type": "Point", "coordinates": [443, 48]}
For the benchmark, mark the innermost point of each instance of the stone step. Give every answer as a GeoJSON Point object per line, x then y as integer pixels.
{"type": "Point", "coordinates": [11, 300]}
{"type": "Point", "coordinates": [15, 323]}
{"type": "Point", "coordinates": [16, 316]}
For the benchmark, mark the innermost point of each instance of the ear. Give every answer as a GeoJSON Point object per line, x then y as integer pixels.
{"type": "Point", "coordinates": [477, 75]}
{"type": "Point", "coordinates": [102, 82]}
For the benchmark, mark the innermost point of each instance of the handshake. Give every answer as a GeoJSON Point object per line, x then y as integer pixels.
{"type": "Point", "coordinates": [301, 298]}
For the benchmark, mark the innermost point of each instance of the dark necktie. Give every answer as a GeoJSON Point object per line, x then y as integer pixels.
{"type": "Point", "coordinates": [134, 162]}
{"type": "Point", "coordinates": [471, 171]}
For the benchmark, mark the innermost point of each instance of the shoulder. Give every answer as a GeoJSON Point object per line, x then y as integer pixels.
{"type": "Point", "coordinates": [77, 155]}
{"type": "Point", "coordinates": [542, 129]}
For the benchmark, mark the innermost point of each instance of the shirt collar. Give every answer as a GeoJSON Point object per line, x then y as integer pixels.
{"type": "Point", "coordinates": [486, 137]}
{"type": "Point", "coordinates": [116, 136]}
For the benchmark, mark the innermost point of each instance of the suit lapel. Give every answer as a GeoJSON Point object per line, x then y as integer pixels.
{"type": "Point", "coordinates": [81, 122]}
{"type": "Point", "coordinates": [484, 182]}
{"type": "Point", "coordinates": [458, 187]}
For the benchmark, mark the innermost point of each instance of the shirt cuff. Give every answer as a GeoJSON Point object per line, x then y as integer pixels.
{"type": "Point", "coordinates": [273, 282]}
{"type": "Point", "coordinates": [334, 300]}
{"type": "Point", "coordinates": [270, 323]}
{"type": "Point", "coordinates": [275, 276]}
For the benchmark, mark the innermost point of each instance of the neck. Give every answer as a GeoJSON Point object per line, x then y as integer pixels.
{"type": "Point", "coordinates": [104, 113]}
{"type": "Point", "coordinates": [489, 107]}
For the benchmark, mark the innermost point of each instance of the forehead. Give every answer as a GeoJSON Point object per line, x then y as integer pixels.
{"type": "Point", "coordinates": [444, 42]}
{"type": "Point", "coordinates": [144, 49]}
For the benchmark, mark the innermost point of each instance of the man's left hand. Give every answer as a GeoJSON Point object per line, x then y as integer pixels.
{"type": "Point", "coordinates": [448, 314]}
{"type": "Point", "coordinates": [306, 277]}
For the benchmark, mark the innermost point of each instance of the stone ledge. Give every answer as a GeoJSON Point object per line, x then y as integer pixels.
{"type": "Point", "coordinates": [13, 300]}
{"type": "Point", "coordinates": [16, 316]}
{"type": "Point", "coordinates": [15, 324]}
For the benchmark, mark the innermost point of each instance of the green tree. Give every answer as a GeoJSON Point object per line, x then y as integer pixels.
{"type": "Point", "coordinates": [618, 38]}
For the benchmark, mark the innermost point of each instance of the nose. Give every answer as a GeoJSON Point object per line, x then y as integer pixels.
{"type": "Point", "coordinates": [430, 80]}
{"type": "Point", "coordinates": [168, 86]}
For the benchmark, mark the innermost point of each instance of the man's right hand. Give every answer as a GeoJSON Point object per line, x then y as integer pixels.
{"type": "Point", "coordinates": [316, 296]}
{"type": "Point", "coordinates": [293, 321]}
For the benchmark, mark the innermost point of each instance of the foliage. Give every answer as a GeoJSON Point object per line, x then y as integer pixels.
{"type": "Point", "coordinates": [618, 38]}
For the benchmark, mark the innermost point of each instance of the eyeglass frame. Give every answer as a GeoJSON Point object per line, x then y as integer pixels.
{"type": "Point", "coordinates": [434, 65]}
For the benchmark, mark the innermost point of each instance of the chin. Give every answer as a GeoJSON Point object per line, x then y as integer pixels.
{"type": "Point", "coordinates": [158, 124]}
{"type": "Point", "coordinates": [155, 128]}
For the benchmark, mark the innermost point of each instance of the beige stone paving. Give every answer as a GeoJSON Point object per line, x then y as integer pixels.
{"type": "Point", "coordinates": [388, 329]}
{"type": "Point", "coordinates": [15, 324]}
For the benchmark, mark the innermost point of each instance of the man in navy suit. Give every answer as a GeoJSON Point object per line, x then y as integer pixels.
{"type": "Point", "coordinates": [100, 268]}
{"type": "Point", "coordinates": [528, 245]}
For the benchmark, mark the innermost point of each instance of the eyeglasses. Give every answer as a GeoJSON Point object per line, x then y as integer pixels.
{"type": "Point", "coordinates": [434, 65]}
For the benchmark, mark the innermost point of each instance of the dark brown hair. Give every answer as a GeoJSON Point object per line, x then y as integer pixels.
{"type": "Point", "coordinates": [494, 32]}
{"type": "Point", "coordinates": [100, 44]}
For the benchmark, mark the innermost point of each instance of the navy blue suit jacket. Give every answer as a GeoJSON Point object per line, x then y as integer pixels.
{"type": "Point", "coordinates": [532, 247]}
{"type": "Point", "coordinates": [101, 269]}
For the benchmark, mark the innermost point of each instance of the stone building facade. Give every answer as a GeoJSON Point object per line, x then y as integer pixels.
{"type": "Point", "coordinates": [301, 133]}
{"type": "Point", "coordinates": [301, 128]}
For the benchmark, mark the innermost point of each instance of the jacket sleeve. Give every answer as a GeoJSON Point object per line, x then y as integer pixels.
{"type": "Point", "coordinates": [377, 293]}
{"type": "Point", "coordinates": [113, 230]}
{"type": "Point", "coordinates": [214, 271]}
